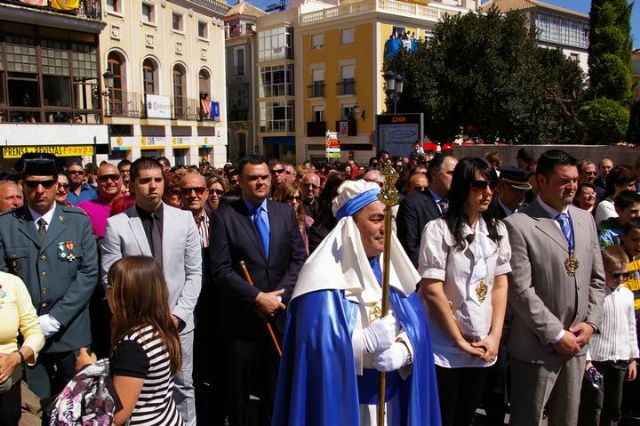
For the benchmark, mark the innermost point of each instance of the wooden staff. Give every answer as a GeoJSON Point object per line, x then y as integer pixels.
{"type": "Point", "coordinates": [247, 277]}
{"type": "Point", "coordinates": [389, 197]}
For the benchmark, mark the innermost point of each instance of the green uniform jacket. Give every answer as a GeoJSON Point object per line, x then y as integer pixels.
{"type": "Point", "coordinates": [60, 272]}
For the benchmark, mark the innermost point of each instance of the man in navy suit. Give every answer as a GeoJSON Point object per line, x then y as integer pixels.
{"type": "Point", "coordinates": [419, 208]}
{"type": "Point", "coordinates": [264, 234]}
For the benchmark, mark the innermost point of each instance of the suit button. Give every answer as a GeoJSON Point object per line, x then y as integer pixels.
{"type": "Point", "coordinates": [43, 257]}
{"type": "Point", "coordinates": [43, 274]}
{"type": "Point", "coordinates": [44, 304]}
{"type": "Point", "coordinates": [45, 290]}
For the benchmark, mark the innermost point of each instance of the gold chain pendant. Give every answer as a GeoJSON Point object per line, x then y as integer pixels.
{"type": "Point", "coordinates": [571, 264]}
{"type": "Point", "coordinates": [482, 290]}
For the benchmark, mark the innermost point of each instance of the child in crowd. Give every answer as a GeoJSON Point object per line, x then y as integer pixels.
{"type": "Point", "coordinates": [627, 205]}
{"type": "Point", "coordinates": [613, 351]}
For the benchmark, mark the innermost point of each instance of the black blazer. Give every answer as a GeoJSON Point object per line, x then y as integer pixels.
{"type": "Point", "coordinates": [415, 211]}
{"type": "Point", "coordinates": [234, 238]}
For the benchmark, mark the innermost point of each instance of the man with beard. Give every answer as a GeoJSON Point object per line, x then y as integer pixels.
{"type": "Point", "coordinates": [78, 190]}
{"type": "Point", "coordinates": [556, 293]}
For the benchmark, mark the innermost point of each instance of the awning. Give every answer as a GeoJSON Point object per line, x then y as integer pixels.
{"type": "Point", "coordinates": [279, 140]}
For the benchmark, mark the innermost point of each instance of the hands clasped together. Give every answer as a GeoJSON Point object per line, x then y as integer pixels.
{"type": "Point", "coordinates": [381, 339]}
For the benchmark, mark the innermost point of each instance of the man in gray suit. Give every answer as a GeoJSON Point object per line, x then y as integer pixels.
{"type": "Point", "coordinates": [52, 249]}
{"type": "Point", "coordinates": [556, 292]}
{"type": "Point", "coordinates": [152, 228]}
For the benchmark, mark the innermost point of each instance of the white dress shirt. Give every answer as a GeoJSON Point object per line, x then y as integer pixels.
{"type": "Point", "coordinates": [48, 216]}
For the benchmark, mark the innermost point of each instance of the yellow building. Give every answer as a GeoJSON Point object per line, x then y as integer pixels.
{"type": "Point", "coordinates": [168, 96]}
{"type": "Point", "coordinates": [338, 53]}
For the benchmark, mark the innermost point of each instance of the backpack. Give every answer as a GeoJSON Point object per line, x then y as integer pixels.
{"type": "Point", "coordinates": [87, 400]}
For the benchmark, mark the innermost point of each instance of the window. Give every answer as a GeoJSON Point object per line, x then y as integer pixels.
{"type": "Point", "coordinates": [276, 81]}
{"type": "Point", "coordinates": [115, 64]}
{"type": "Point", "coordinates": [176, 22]}
{"type": "Point", "coordinates": [114, 6]}
{"type": "Point", "coordinates": [317, 85]}
{"type": "Point", "coordinates": [317, 41]}
{"type": "Point", "coordinates": [204, 81]}
{"type": "Point", "coordinates": [238, 61]}
{"type": "Point", "coordinates": [347, 85]}
{"type": "Point", "coordinates": [203, 30]}
{"type": "Point", "coordinates": [346, 36]}
{"type": "Point", "coordinates": [148, 13]}
{"type": "Point", "coordinates": [275, 43]}
{"type": "Point", "coordinates": [179, 91]}
{"type": "Point", "coordinates": [574, 57]}
{"type": "Point", "coordinates": [317, 113]}
{"type": "Point", "coordinates": [276, 116]}
{"type": "Point", "coordinates": [150, 76]}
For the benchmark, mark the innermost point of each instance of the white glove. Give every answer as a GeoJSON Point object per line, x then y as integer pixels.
{"type": "Point", "coordinates": [49, 325]}
{"type": "Point", "coordinates": [394, 358]}
{"type": "Point", "coordinates": [380, 335]}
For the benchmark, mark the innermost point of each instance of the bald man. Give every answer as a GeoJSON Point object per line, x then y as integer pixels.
{"type": "Point", "coordinates": [310, 185]}
{"type": "Point", "coordinates": [417, 183]}
{"type": "Point", "coordinates": [10, 196]}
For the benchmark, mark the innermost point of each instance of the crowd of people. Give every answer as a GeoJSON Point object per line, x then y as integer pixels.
{"type": "Point", "coordinates": [251, 294]}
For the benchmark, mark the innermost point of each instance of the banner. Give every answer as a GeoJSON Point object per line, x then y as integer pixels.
{"type": "Point", "coordinates": [158, 106]}
{"type": "Point", "coordinates": [65, 4]}
{"type": "Point", "coordinates": [58, 150]}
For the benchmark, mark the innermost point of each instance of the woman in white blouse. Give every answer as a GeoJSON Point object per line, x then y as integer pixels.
{"type": "Point", "coordinates": [464, 262]}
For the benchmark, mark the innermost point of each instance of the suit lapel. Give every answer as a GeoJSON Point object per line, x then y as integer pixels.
{"type": "Point", "coordinates": [547, 224]}
{"type": "Point", "coordinates": [138, 231]}
{"type": "Point", "coordinates": [250, 228]}
{"type": "Point", "coordinates": [27, 227]}
{"type": "Point", "coordinates": [432, 206]}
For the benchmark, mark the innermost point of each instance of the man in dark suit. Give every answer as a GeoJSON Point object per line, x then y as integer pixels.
{"type": "Point", "coordinates": [556, 292]}
{"type": "Point", "coordinates": [419, 208]}
{"type": "Point", "coordinates": [52, 249]}
{"type": "Point", "coordinates": [264, 234]}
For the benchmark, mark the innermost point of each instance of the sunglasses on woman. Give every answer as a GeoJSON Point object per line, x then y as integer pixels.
{"type": "Point", "coordinates": [482, 185]}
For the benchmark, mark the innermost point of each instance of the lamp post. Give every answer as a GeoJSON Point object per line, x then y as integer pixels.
{"type": "Point", "coordinates": [394, 83]}
{"type": "Point", "coordinates": [107, 77]}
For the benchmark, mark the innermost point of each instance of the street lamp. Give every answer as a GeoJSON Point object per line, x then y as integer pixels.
{"type": "Point", "coordinates": [108, 84]}
{"type": "Point", "coordinates": [394, 83]}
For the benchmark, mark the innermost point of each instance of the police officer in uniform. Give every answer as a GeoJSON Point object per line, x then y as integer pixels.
{"type": "Point", "coordinates": [52, 249]}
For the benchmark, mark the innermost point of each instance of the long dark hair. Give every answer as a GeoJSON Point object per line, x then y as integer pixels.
{"type": "Point", "coordinates": [455, 217]}
{"type": "Point", "coordinates": [140, 298]}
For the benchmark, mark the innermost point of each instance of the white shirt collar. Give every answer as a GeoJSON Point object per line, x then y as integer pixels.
{"type": "Point", "coordinates": [48, 216]}
{"type": "Point", "coordinates": [553, 213]}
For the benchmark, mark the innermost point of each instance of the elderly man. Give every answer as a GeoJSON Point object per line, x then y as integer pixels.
{"type": "Point", "coordinates": [335, 342]}
{"type": "Point", "coordinates": [310, 184]}
{"type": "Point", "coordinates": [10, 196]}
{"type": "Point", "coordinates": [605, 166]}
{"type": "Point", "coordinates": [417, 183]}
{"type": "Point", "coordinates": [50, 247]}
{"type": "Point", "coordinates": [587, 172]}
{"type": "Point", "coordinates": [99, 209]}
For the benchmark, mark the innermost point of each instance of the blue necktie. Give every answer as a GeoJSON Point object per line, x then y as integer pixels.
{"type": "Point", "coordinates": [262, 229]}
{"type": "Point", "coordinates": [375, 265]}
{"type": "Point", "coordinates": [565, 224]}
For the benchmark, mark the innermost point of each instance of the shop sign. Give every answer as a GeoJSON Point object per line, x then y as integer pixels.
{"type": "Point", "coordinates": [57, 150]}
{"type": "Point", "coordinates": [332, 145]}
{"type": "Point", "coordinates": [158, 106]}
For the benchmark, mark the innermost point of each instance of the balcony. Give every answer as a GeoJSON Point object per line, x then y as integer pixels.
{"type": "Point", "coordinates": [132, 105]}
{"type": "Point", "coordinates": [316, 90]}
{"type": "Point", "coordinates": [433, 12]}
{"type": "Point", "coordinates": [351, 127]}
{"type": "Point", "coordinates": [278, 126]}
{"type": "Point", "coordinates": [316, 128]}
{"type": "Point", "coordinates": [346, 87]}
{"type": "Point", "coordinates": [86, 17]}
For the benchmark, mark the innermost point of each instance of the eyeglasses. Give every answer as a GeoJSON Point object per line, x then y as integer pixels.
{"type": "Point", "coordinates": [105, 178]}
{"type": "Point", "coordinates": [46, 184]}
{"type": "Point", "coordinates": [199, 190]}
{"type": "Point", "coordinates": [216, 191]}
{"type": "Point", "coordinates": [482, 185]}
{"type": "Point", "coordinates": [296, 197]}
{"type": "Point", "coordinates": [620, 275]}
{"type": "Point", "coordinates": [75, 172]}
{"type": "Point", "coordinates": [277, 171]}
{"type": "Point", "coordinates": [421, 188]}
{"type": "Point", "coordinates": [64, 186]}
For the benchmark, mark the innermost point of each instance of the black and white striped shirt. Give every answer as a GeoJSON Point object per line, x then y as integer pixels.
{"type": "Point", "coordinates": [142, 354]}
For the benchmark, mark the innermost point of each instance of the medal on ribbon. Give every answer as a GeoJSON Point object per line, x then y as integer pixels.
{"type": "Point", "coordinates": [65, 251]}
{"type": "Point", "coordinates": [571, 264]}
